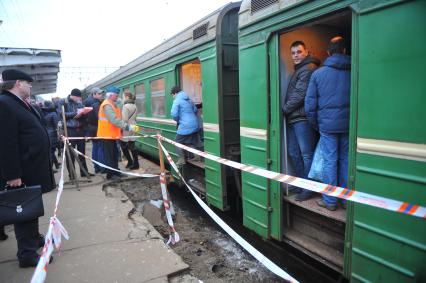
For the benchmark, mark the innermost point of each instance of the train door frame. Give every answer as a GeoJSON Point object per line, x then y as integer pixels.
{"type": "Point", "coordinates": [276, 120]}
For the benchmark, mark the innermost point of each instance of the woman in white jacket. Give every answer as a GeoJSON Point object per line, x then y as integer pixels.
{"type": "Point", "coordinates": [128, 115]}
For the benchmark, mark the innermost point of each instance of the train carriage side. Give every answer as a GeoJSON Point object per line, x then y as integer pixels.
{"type": "Point", "coordinates": [203, 60]}
{"type": "Point", "coordinates": [381, 147]}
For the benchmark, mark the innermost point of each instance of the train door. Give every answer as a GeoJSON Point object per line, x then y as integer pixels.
{"type": "Point", "coordinates": [317, 231]}
{"type": "Point", "coordinates": [190, 81]}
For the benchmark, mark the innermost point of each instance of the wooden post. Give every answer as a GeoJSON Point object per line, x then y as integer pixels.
{"type": "Point", "coordinates": [71, 168]}
{"type": "Point", "coordinates": [161, 158]}
{"type": "Point", "coordinates": [163, 171]}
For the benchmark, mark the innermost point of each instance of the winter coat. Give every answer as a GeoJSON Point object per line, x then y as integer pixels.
{"type": "Point", "coordinates": [128, 115]}
{"type": "Point", "coordinates": [71, 108]}
{"type": "Point", "coordinates": [24, 144]}
{"type": "Point", "coordinates": [327, 98]}
{"type": "Point", "coordinates": [294, 106]}
{"type": "Point", "coordinates": [92, 116]}
{"type": "Point", "coordinates": [51, 118]}
{"type": "Point", "coordinates": [184, 113]}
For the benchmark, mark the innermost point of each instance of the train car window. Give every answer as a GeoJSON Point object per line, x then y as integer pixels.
{"type": "Point", "coordinates": [190, 77]}
{"type": "Point", "coordinates": [157, 98]}
{"type": "Point", "coordinates": [140, 98]}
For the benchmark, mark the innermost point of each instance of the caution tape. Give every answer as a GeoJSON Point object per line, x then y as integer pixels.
{"type": "Point", "coordinates": [55, 232]}
{"type": "Point", "coordinates": [334, 191]}
{"type": "Point", "coordinates": [110, 138]}
{"type": "Point", "coordinates": [243, 243]}
{"type": "Point", "coordinates": [113, 169]}
{"type": "Point", "coordinates": [174, 236]}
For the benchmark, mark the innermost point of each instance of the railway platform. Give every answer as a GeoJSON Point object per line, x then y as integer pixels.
{"type": "Point", "coordinates": [107, 243]}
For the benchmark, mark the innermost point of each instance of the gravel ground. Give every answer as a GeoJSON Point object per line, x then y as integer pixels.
{"type": "Point", "coordinates": [212, 255]}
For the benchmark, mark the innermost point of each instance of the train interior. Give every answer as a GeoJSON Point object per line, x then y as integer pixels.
{"type": "Point", "coordinates": [190, 81]}
{"type": "Point", "coordinates": [313, 229]}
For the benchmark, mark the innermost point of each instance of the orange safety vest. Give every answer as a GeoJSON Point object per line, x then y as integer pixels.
{"type": "Point", "coordinates": [106, 128]}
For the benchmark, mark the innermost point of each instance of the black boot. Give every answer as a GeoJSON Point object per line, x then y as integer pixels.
{"type": "Point", "coordinates": [56, 162]}
{"type": "Point", "coordinates": [125, 149]}
{"type": "Point", "coordinates": [135, 164]}
{"type": "Point", "coordinates": [3, 235]}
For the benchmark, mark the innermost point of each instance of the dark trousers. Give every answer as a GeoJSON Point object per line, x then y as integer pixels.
{"type": "Point", "coordinates": [130, 152]}
{"type": "Point", "coordinates": [97, 154]}
{"type": "Point", "coordinates": [110, 157]}
{"type": "Point", "coordinates": [27, 237]}
{"type": "Point", "coordinates": [80, 146]}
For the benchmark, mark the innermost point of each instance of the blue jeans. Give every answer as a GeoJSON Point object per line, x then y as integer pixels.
{"type": "Point", "coordinates": [97, 154]}
{"type": "Point", "coordinates": [335, 148]}
{"type": "Point", "coordinates": [301, 142]}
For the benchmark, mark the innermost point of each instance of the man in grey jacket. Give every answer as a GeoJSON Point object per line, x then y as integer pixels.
{"type": "Point", "coordinates": [301, 137]}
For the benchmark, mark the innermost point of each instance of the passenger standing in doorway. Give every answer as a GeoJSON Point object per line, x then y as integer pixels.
{"type": "Point", "coordinates": [129, 111]}
{"type": "Point", "coordinates": [94, 101]}
{"type": "Point", "coordinates": [184, 113]}
{"type": "Point", "coordinates": [109, 128]}
{"type": "Point", "coordinates": [327, 108]}
{"type": "Point", "coordinates": [301, 137]}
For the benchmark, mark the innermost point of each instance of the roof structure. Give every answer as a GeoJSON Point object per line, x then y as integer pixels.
{"type": "Point", "coordinates": [41, 64]}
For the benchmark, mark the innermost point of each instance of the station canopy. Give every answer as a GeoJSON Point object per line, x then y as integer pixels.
{"type": "Point", "coordinates": [41, 64]}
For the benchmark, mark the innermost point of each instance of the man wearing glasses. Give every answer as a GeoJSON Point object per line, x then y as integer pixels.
{"type": "Point", "coordinates": [24, 154]}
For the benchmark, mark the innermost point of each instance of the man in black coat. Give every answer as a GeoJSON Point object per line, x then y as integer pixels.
{"type": "Point", "coordinates": [301, 137]}
{"type": "Point", "coordinates": [24, 154]}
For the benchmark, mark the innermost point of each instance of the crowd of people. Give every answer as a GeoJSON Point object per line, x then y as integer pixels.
{"type": "Point", "coordinates": [31, 138]}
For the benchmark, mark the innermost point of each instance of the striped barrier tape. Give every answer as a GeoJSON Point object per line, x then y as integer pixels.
{"type": "Point", "coordinates": [174, 236]}
{"type": "Point", "coordinates": [243, 243]}
{"type": "Point", "coordinates": [54, 233]}
{"type": "Point", "coordinates": [113, 169]}
{"type": "Point", "coordinates": [335, 191]}
{"type": "Point", "coordinates": [110, 138]}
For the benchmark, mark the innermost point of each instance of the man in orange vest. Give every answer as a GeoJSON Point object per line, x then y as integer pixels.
{"type": "Point", "coordinates": [109, 129]}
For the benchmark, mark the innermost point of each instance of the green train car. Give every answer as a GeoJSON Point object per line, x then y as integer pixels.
{"type": "Point", "coordinates": [203, 60]}
{"type": "Point", "coordinates": [387, 132]}
{"type": "Point", "coordinates": [236, 63]}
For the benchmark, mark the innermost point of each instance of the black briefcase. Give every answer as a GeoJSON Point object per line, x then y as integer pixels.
{"type": "Point", "coordinates": [20, 204]}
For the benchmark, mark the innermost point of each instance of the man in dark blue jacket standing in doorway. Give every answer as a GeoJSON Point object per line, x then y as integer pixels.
{"type": "Point", "coordinates": [327, 108]}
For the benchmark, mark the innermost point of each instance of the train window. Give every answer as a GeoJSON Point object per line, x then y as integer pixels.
{"type": "Point", "coordinates": [140, 98]}
{"type": "Point", "coordinates": [190, 78]}
{"type": "Point", "coordinates": [157, 98]}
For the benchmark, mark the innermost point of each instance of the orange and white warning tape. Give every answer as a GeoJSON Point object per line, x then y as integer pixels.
{"type": "Point", "coordinates": [54, 233]}
{"type": "Point", "coordinates": [113, 169]}
{"type": "Point", "coordinates": [110, 138]}
{"type": "Point", "coordinates": [174, 236]}
{"type": "Point", "coordinates": [335, 191]}
{"type": "Point", "coordinates": [249, 248]}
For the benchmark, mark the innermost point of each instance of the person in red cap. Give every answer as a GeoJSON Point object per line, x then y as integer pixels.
{"type": "Point", "coordinates": [24, 155]}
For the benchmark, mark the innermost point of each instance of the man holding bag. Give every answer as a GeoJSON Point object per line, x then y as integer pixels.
{"type": "Point", "coordinates": [24, 154]}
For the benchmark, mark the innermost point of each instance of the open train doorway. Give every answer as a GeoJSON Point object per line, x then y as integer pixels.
{"type": "Point", "coordinates": [307, 226]}
{"type": "Point", "coordinates": [190, 81]}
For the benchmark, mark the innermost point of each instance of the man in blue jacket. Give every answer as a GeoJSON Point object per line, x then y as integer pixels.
{"type": "Point", "coordinates": [327, 109]}
{"type": "Point", "coordinates": [184, 113]}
